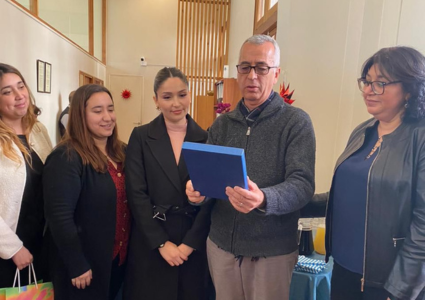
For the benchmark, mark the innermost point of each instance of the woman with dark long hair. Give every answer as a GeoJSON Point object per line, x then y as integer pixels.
{"type": "Point", "coordinates": [85, 201]}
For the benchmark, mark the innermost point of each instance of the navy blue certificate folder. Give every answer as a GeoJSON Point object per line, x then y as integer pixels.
{"type": "Point", "coordinates": [213, 168]}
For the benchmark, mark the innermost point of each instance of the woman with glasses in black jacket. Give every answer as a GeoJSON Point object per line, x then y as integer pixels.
{"type": "Point", "coordinates": [375, 217]}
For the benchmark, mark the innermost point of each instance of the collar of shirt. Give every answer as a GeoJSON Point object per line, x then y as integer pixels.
{"type": "Point", "coordinates": [252, 116]}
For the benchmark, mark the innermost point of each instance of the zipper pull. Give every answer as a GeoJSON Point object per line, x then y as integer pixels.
{"type": "Point", "coordinates": [395, 243]}
{"type": "Point", "coordinates": [248, 132]}
{"type": "Point", "coordinates": [362, 286]}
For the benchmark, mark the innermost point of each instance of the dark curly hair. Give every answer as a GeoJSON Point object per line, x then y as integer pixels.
{"type": "Point", "coordinates": [407, 65]}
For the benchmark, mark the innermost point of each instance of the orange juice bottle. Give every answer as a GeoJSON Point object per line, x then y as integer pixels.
{"type": "Point", "coordinates": [319, 240]}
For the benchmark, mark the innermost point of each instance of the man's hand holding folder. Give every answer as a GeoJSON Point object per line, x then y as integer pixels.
{"type": "Point", "coordinates": [241, 199]}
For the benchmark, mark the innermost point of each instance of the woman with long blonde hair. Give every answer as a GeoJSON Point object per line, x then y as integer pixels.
{"type": "Point", "coordinates": [24, 146]}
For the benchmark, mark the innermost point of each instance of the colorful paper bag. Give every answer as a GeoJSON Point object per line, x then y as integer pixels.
{"type": "Point", "coordinates": [43, 291]}
{"type": "Point", "coordinates": [36, 291]}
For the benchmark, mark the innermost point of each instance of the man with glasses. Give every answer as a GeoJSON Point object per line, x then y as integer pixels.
{"type": "Point", "coordinates": [252, 246]}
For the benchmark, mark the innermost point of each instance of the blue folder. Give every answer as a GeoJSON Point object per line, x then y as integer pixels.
{"type": "Point", "coordinates": [213, 168]}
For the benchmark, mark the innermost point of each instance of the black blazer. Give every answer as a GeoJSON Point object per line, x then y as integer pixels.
{"type": "Point", "coordinates": [80, 209]}
{"type": "Point", "coordinates": [153, 179]}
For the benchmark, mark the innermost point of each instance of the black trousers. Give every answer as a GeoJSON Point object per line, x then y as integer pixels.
{"type": "Point", "coordinates": [346, 285]}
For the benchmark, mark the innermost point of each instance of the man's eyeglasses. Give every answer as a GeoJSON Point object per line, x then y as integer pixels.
{"type": "Point", "coordinates": [378, 87]}
{"type": "Point", "coordinates": [258, 69]}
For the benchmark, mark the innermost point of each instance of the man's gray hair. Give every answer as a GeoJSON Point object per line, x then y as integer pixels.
{"type": "Point", "coordinates": [260, 39]}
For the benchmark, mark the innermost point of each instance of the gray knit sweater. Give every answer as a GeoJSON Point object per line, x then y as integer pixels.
{"type": "Point", "coordinates": [280, 158]}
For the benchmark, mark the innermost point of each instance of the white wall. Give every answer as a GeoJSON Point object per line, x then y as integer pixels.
{"type": "Point", "coordinates": [241, 28]}
{"type": "Point", "coordinates": [97, 29]}
{"type": "Point", "coordinates": [322, 53]}
{"type": "Point", "coordinates": [142, 28]}
{"type": "Point", "coordinates": [412, 24]}
{"type": "Point", "coordinates": [320, 63]}
{"type": "Point", "coordinates": [24, 40]}
{"type": "Point", "coordinates": [71, 18]}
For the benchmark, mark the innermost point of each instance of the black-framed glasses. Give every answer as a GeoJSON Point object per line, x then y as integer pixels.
{"type": "Point", "coordinates": [378, 87]}
{"type": "Point", "coordinates": [258, 69]}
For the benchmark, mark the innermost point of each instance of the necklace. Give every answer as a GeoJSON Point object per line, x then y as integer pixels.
{"type": "Point", "coordinates": [115, 165]}
{"type": "Point", "coordinates": [377, 145]}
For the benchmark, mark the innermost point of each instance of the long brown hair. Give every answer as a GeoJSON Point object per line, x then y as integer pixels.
{"type": "Point", "coordinates": [7, 134]}
{"type": "Point", "coordinates": [79, 137]}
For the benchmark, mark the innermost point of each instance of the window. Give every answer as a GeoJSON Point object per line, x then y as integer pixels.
{"type": "Point", "coordinates": [265, 19]}
{"type": "Point", "coordinates": [25, 3]}
{"type": "Point", "coordinates": [80, 21]}
{"type": "Point", "coordinates": [272, 3]}
{"type": "Point", "coordinates": [71, 18]}
{"type": "Point", "coordinates": [87, 79]}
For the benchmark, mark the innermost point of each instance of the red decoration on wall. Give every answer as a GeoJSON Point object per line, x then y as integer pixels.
{"type": "Point", "coordinates": [126, 94]}
{"type": "Point", "coordinates": [286, 95]}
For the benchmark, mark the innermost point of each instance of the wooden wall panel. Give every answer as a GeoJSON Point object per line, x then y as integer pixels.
{"type": "Point", "coordinates": [203, 113]}
{"type": "Point", "coordinates": [202, 42]}
{"type": "Point", "coordinates": [91, 27]}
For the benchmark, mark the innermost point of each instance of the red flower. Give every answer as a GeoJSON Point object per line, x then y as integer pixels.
{"type": "Point", "coordinates": [126, 94]}
{"type": "Point", "coordinates": [285, 94]}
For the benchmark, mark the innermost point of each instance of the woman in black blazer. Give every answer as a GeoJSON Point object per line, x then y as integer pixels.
{"type": "Point", "coordinates": [167, 258]}
{"type": "Point", "coordinates": [85, 201]}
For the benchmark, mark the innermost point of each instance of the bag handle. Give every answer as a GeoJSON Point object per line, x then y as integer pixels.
{"type": "Point", "coordinates": [18, 276]}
